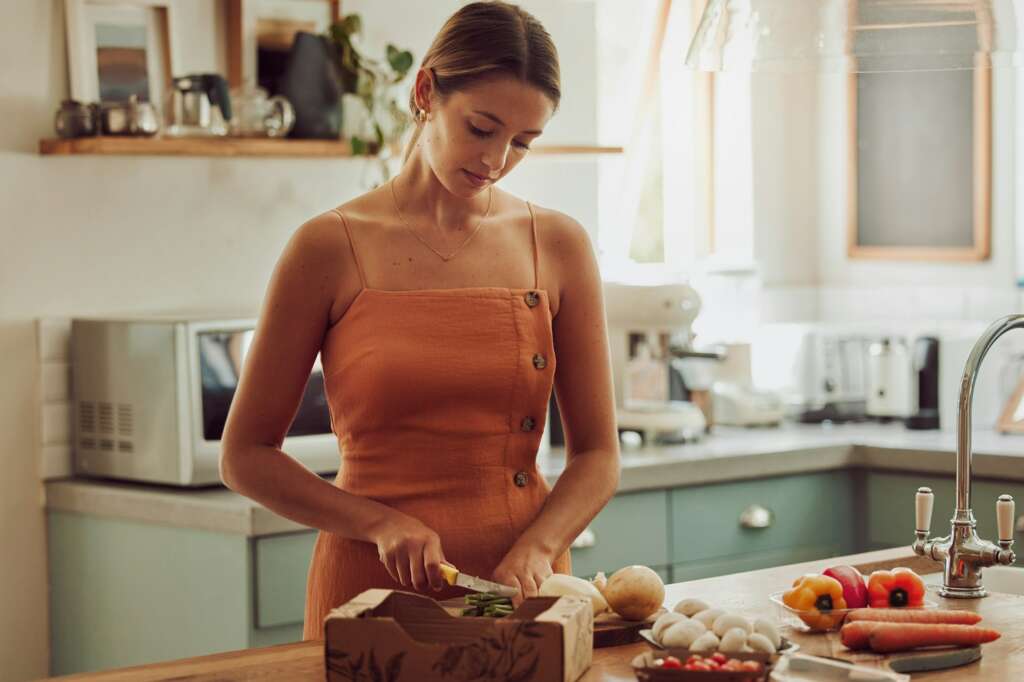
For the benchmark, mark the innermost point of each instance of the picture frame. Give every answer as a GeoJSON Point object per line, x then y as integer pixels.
{"type": "Point", "coordinates": [939, 209]}
{"type": "Point", "coordinates": [1011, 420]}
{"type": "Point", "coordinates": [117, 48]}
{"type": "Point", "coordinates": [260, 34]}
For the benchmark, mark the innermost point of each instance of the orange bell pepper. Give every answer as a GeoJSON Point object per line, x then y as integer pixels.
{"type": "Point", "coordinates": [815, 597]}
{"type": "Point", "coordinates": [898, 587]}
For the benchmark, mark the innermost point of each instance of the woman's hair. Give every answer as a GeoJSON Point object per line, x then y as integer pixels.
{"type": "Point", "coordinates": [487, 39]}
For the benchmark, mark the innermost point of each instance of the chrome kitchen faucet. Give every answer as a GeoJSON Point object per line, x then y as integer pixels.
{"type": "Point", "coordinates": [964, 553]}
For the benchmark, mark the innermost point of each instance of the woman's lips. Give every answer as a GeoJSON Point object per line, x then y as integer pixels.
{"type": "Point", "coordinates": [474, 179]}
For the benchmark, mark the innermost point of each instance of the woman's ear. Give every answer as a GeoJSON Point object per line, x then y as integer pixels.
{"type": "Point", "coordinates": [423, 89]}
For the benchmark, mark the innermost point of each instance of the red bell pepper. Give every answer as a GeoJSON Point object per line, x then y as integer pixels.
{"type": "Point", "coordinates": [899, 587]}
{"type": "Point", "coordinates": [855, 591]}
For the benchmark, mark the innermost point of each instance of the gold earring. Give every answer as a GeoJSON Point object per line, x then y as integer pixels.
{"type": "Point", "coordinates": [421, 115]}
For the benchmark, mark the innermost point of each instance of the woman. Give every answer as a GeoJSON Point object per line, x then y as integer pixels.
{"type": "Point", "coordinates": [439, 305]}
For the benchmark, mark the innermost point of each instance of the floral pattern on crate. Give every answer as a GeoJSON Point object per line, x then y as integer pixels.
{"type": "Point", "coordinates": [506, 655]}
{"type": "Point", "coordinates": [353, 668]}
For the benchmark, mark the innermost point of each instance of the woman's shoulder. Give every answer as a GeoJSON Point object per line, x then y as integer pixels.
{"type": "Point", "coordinates": [559, 233]}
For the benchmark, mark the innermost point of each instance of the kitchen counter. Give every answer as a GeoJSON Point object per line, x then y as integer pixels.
{"type": "Point", "coordinates": [1002, 660]}
{"type": "Point", "coordinates": [728, 454]}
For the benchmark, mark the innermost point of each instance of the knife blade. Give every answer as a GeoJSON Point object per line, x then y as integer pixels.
{"type": "Point", "coordinates": [453, 576]}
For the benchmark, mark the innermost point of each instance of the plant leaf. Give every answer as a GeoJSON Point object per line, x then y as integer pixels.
{"type": "Point", "coordinates": [526, 673]}
{"type": "Point", "coordinates": [394, 668]}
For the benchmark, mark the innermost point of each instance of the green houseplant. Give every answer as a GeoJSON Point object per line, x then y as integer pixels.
{"type": "Point", "coordinates": [373, 84]}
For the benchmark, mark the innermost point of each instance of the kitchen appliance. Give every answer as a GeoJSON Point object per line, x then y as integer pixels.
{"type": "Point", "coordinates": [198, 105]}
{"type": "Point", "coordinates": [926, 372]}
{"type": "Point", "coordinates": [818, 369]}
{"type": "Point", "coordinates": [891, 391]}
{"type": "Point", "coordinates": [739, 405]}
{"type": "Point", "coordinates": [151, 396]}
{"type": "Point", "coordinates": [648, 326]}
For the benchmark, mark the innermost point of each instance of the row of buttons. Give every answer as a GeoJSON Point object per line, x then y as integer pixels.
{"type": "Point", "coordinates": [521, 478]}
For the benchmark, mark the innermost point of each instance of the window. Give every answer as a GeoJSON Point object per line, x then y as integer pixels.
{"type": "Point", "coordinates": [655, 201]}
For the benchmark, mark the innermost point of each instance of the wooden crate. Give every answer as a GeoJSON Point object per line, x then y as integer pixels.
{"type": "Point", "coordinates": [404, 637]}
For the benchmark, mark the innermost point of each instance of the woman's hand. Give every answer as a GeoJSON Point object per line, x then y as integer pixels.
{"type": "Point", "coordinates": [525, 567]}
{"type": "Point", "coordinates": [411, 552]}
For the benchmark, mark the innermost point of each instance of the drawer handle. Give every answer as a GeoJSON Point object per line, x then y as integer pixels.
{"type": "Point", "coordinates": [756, 516]}
{"type": "Point", "coordinates": [585, 539]}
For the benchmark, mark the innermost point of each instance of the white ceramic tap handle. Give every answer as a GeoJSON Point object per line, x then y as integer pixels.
{"type": "Point", "coordinates": [1004, 517]}
{"type": "Point", "coordinates": [924, 501]}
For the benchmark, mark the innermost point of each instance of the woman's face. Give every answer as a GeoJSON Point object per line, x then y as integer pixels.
{"type": "Point", "coordinates": [476, 136]}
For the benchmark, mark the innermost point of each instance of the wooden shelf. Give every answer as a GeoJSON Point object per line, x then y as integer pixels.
{"type": "Point", "coordinates": [227, 146]}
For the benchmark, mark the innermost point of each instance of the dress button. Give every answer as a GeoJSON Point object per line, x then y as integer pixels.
{"type": "Point", "coordinates": [539, 362]}
{"type": "Point", "coordinates": [521, 479]}
{"type": "Point", "coordinates": [532, 298]}
{"type": "Point", "coordinates": [527, 424]}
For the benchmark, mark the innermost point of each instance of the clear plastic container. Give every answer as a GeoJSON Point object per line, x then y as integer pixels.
{"type": "Point", "coordinates": [820, 621]}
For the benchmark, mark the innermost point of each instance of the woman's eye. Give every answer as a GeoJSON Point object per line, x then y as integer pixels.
{"type": "Point", "coordinates": [521, 145]}
{"type": "Point", "coordinates": [478, 131]}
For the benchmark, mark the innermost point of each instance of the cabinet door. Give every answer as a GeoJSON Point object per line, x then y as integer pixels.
{"type": "Point", "coordinates": [631, 529]}
{"type": "Point", "coordinates": [696, 570]}
{"type": "Point", "coordinates": [280, 567]}
{"type": "Point", "coordinates": [891, 506]}
{"type": "Point", "coordinates": [812, 510]}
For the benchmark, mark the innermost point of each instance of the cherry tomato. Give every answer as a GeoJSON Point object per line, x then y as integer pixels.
{"type": "Point", "coordinates": [672, 663]}
{"type": "Point", "coordinates": [753, 666]}
{"type": "Point", "coordinates": [731, 665]}
{"type": "Point", "coordinates": [715, 665]}
{"type": "Point", "coordinates": [719, 657]}
{"type": "Point", "coordinates": [695, 658]}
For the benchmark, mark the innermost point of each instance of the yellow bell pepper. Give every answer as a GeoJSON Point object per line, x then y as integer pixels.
{"type": "Point", "coordinates": [816, 598]}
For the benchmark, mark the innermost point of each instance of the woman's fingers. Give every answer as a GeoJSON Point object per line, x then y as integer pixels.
{"type": "Point", "coordinates": [432, 559]}
{"type": "Point", "coordinates": [528, 586]}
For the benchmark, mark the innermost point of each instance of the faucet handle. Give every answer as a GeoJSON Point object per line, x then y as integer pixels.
{"type": "Point", "coordinates": [1004, 517]}
{"type": "Point", "coordinates": [924, 501]}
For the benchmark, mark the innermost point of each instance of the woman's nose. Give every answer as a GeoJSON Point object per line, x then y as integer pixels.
{"type": "Point", "coordinates": [495, 156]}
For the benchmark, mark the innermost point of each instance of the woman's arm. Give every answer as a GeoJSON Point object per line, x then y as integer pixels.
{"type": "Point", "coordinates": [583, 386]}
{"type": "Point", "coordinates": [295, 316]}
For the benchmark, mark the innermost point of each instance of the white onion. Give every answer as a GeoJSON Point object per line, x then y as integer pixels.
{"type": "Point", "coordinates": [635, 592]}
{"type": "Point", "coordinates": [561, 585]}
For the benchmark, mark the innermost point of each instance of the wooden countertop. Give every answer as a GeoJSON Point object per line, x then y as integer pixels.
{"type": "Point", "coordinates": [743, 592]}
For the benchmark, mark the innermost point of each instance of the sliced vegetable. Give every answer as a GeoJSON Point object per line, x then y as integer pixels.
{"type": "Point", "coordinates": [896, 588]}
{"type": "Point", "coordinates": [855, 590]}
{"type": "Point", "coordinates": [914, 616]}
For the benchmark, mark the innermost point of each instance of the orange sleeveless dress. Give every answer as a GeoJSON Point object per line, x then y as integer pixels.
{"type": "Point", "coordinates": [439, 399]}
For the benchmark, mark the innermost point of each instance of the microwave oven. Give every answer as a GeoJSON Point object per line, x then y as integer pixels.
{"type": "Point", "coordinates": [150, 397]}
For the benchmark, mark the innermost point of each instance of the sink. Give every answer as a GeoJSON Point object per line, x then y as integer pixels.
{"type": "Point", "coordinates": [1005, 579]}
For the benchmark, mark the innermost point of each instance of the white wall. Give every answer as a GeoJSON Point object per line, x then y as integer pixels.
{"type": "Point", "coordinates": [93, 235]}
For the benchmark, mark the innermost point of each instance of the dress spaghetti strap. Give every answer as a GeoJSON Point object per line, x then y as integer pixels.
{"type": "Point", "coordinates": [536, 248]}
{"type": "Point", "coordinates": [352, 246]}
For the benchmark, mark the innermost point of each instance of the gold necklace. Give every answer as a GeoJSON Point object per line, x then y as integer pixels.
{"type": "Point", "coordinates": [490, 196]}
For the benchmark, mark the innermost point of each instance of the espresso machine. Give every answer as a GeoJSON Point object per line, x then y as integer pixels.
{"type": "Point", "coordinates": [650, 333]}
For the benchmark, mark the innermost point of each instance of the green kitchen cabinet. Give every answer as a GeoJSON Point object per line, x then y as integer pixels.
{"type": "Point", "coordinates": [127, 593]}
{"type": "Point", "coordinates": [631, 529]}
{"type": "Point", "coordinates": [890, 506]}
{"type": "Point", "coordinates": [714, 529]}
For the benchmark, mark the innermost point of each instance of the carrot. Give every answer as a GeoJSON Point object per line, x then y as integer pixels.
{"type": "Point", "coordinates": [857, 635]}
{"type": "Point", "coordinates": [914, 616]}
{"type": "Point", "coordinates": [887, 637]}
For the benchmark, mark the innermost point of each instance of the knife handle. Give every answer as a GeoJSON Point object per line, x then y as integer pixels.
{"type": "Point", "coordinates": [449, 573]}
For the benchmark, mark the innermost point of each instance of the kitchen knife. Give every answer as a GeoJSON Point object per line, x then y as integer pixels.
{"type": "Point", "coordinates": [452, 576]}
